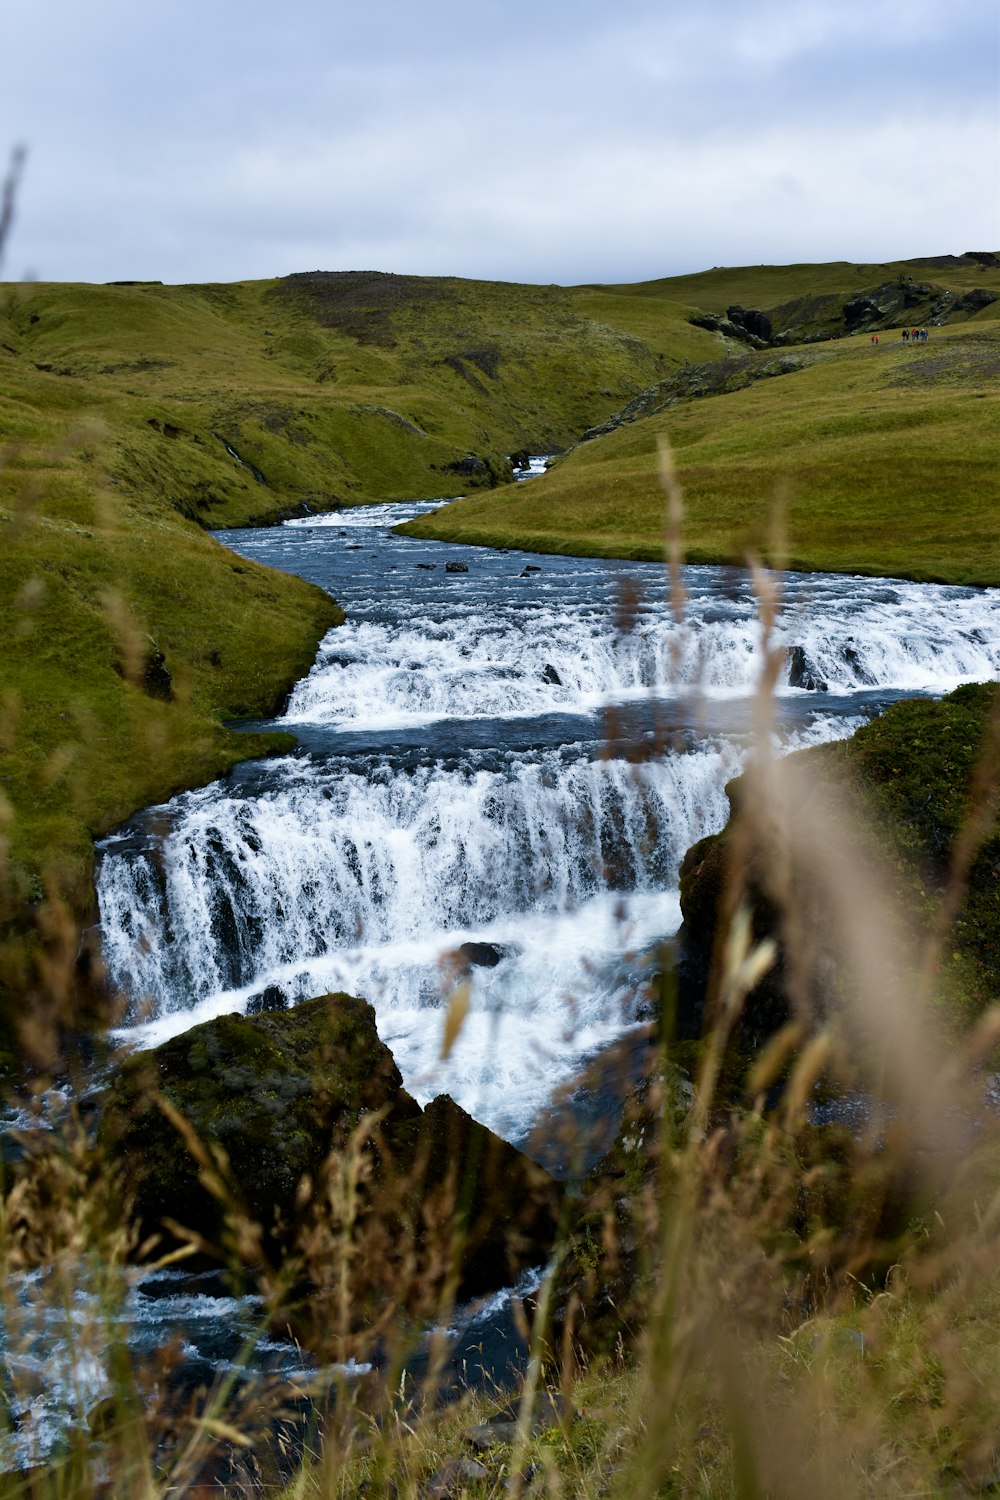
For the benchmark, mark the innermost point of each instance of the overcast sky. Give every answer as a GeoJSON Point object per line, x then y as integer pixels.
{"type": "Point", "coordinates": [529, 140]}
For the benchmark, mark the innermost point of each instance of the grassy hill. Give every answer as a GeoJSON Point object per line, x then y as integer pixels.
{"type": "Point", "coordinates": [237, 403]}
{"type": "Point", "coordinates": [880, 458]}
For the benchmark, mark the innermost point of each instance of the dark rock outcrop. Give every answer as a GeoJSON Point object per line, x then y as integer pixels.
{"type": "Point", "coordinates": [717, 377]}
{"type": "Point", "coordinates": [151, 673]}
{"type": "Point", "coordinates": [752, 321]}
{"type": "Point", "coordinates": [913, 769]}
{"type": "Point", "coordinates": [482, 471]}
{"type": "Point", "coordinates": [272, 997]}
{"type": "Point", "coordinates": [974, 301]}
{"type": "Point", "coordinates": [156, 679]}
{"type": "Point", "coordinates": [281, 1108]}
{"type": "Point", "coordinates": [715, 323]}
{"type": "Point", "coordinates": [802, 672]}
{"type": "Point", "coordinates": [456, 567]}
{"type": "Point", "coordinates": [861, 312]}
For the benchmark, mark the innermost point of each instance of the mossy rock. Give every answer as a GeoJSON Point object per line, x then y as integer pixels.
{"type": "Point", "coordinates": [285, 1108]}
{"type": "Point", "coordinates": [270, 1090]}
{"type": "Point", "coordinates": [914, 769]}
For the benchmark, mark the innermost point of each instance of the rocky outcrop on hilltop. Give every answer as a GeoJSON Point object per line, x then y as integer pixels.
{"type": "Point", "coordinates": [825, 315]}
{"type": "Point", "coordinates": [719, 377]}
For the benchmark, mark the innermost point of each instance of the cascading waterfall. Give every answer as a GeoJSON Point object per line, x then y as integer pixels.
{"type": "Point", "coordinates": [461, 785]}
{"type": "Point", "coordinates": [321, 860]}
{"type": "Point", "coordinates": [539, 661]}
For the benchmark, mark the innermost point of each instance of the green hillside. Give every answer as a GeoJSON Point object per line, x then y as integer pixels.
{"type": "Point", "coordinates": [877, 458]}
{"type": "Point", "coordinates": [129, 412]}
{"type": "Point", "coordinates": [237, 403]}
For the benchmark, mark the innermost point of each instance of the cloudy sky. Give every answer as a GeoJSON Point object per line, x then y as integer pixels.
{"type": "Point", "coordinates": [531, 140]}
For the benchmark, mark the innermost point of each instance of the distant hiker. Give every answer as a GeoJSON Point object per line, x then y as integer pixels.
{"type": "Point", "coordinates": [923, 335]}
{"type": "Point", "coordinates": [906, 337]}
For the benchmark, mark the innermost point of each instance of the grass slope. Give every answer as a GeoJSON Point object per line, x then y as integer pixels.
{"type": "Point", "coordinates": [331, 389]}
{"type": "Point", "coordinates": [336, 388]}
{"type": "Point", "coordinates": [884, 460]}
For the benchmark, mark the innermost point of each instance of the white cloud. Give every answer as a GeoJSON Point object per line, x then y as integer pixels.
{"type": "Point", "coordinates": [220, 142]}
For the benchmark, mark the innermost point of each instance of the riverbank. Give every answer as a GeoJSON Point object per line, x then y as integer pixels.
{"type": "Point", "coordinates": [847, 457]}
{"type": "Point", "coordinates": [129, 640]}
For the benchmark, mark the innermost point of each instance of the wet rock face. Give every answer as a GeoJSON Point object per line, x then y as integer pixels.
{"type": "Point", "coordinates": [478, 955]}
{"type": "Point", "coordinates": [274, 1091]}
{"type": "Point", "coordinates": [802, 672]}
{"type": "Point", "coordinates": [704, 880]}
{"type": "Point", "coordinates": [272, 997]}
{"type": "Point", "coordinates": [752, 320]}
{"type": "Point", "coordinates": [281, 1105]}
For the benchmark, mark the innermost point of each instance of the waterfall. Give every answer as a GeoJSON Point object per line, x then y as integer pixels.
{"type": "Point", "coordinates": [463, 785]}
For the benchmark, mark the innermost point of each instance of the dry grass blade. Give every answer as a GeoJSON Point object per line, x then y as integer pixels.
{"type": "Point", "coordinates": [8, 195]}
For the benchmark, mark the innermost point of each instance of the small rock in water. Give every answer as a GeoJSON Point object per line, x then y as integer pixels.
{"type": "Point", "coordinates": [428, 567]}
{"type": "Point", "coordinates": [852, 656]}
{"type": "Point", "coordinates": [802, 673]}
{"type": "Point", "coordinates": [271, 998]}
{"type": "Point", "coordinates": [528, 569]}
{"type": "Point", "coordinates": [551, 675]}
{"type": "Point", "coordinates": [456, 567]}
{"type": "Point", "coordinates": [479, 955]}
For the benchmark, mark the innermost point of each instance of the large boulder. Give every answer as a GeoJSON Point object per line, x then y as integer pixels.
{"type": "Point", "coordinates": [248, 1132]}
{"type": "Point", "coordinates": [914, 770]}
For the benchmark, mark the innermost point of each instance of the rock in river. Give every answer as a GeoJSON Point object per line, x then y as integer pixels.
{"type": "Point", "coordinates": [285, 1107]}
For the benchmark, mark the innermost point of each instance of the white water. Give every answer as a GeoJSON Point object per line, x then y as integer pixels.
{"type": "Point", "coordinates": [390, 673]}
{"type": "Point", "coordinates": [462, 785]}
